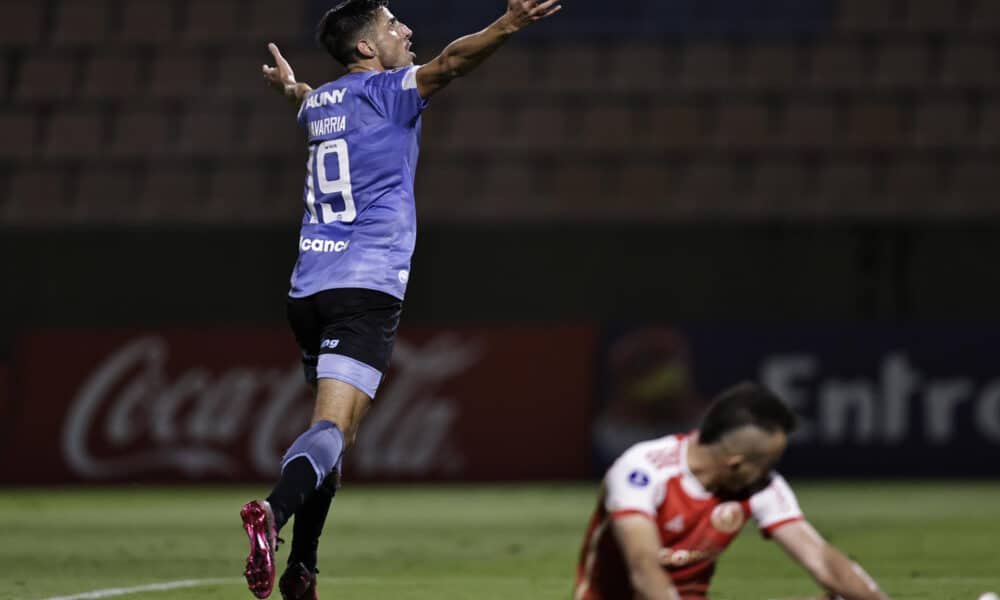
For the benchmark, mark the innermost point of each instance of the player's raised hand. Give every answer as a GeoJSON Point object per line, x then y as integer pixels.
{"type": "Point", "coordinates": [525, 12]}
{"type": "Point", "coordinates": [280, 77]}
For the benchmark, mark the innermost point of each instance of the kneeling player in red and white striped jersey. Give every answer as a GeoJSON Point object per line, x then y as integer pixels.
{"type": "Point", "coordinates": [669, 507]}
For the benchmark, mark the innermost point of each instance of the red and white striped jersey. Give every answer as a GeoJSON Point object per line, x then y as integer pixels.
{"type": "Point", "coordinates": [652, 479]}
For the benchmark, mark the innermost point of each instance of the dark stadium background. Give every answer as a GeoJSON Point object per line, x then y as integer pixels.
{"type": "Point", "coordinates": [627, 209]}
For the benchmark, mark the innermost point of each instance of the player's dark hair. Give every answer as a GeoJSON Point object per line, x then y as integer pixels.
{"type": "Point", "coordinates": [341, 27]}
{"type": "Point", "coordinates": [742, 405]}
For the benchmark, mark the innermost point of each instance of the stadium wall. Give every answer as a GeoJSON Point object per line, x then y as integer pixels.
{"type": "Point", "coordinates": [526, 353]}
{"type": "Point", "coordinates": [143, 277]}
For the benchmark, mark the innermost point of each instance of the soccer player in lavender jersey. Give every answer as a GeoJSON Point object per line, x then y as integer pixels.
{"type": "Point", "coordinates": [357, 237]}
{"type": "Point", "coordinates": [669, 507]}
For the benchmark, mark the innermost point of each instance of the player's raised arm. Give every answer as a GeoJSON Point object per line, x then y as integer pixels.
{"type": "Point", "coordinates": [827, 565]}
{"type": "Point", "coordinates": [466, 53]}
{"type": "Point", "coordinates": [282, 78]}
{"type": "Point", "coordinates": [640, 544]}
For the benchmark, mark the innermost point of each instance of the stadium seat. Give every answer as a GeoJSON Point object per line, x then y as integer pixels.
{"type": "Point", "coordinates": [934, 16]}
{"type": "Point", "coordinates": [777, 186]}
{"type": "Point", "coordinates": [81, 22]}
{"type": "Point", "coordinates": [217, 21]}
{"type": "Point", "coordinates": [269, 21]}
{"type": "Point", "coordinates": [240, 194]}
{"type": "Point", "coordinates": [177, 75]}
{"type": "Point", "coordinates": [510, 191]}
{"type": "Point", "coordinates": [646, 189]}
{"type": "Point", "coordinates": [744, 125]}
{"type": "Point", "coordinates": [942, 125]}
{"type": "Point", "coordinates": [706, 67]}
{"type": "Point", "coordinates": [107, 196]}
{"type": "Point", "coordinates": [969, 65]}
{"type": "Point", "coordinates": [974, 186]}
{"type": "Point", "coordinates": [874, 124]}
{"type": "Point", "coordinates": [673, 126]}
{"type": "Point", "coordinates": [273, 132]}
{"type": "Point", "coordinates": [174, 194]}
{"type": "Point", "coordinates": [914, 186]}
{"type": "Point", "coordinates": [989, 131]}
{"type": "Point", "coordinates": [476, 127]}
{"type": "Point", "coordinates": [902, 65]}
{"type": "Point", "coordinates": [985, 17]}
{"type": "Point", "coordinates": [74, 134]}
{"type": "Point", "coordinates": [772, 67]}
{"type": "Point", "coordinates": [706, 190]}
{"type": "Point", "coordinates": [538, 128]}
{"type": "Point", "coordinates": [578, 191]}
{"type": "Point", "coordinates": [21, 24]}
{"type": "Point", "coordinates": [443, 190]}
{"type": "Point", "coordinates": [865, 16]}
{"type": "Point", "coordinates": [111, 76]}
{"type": "Point", "coordinates": [715, 190]}
{"type": "Point", "coordinates": [574, 68]}
{"type": "Point", "coordinates": [514, 70]}
{"type": "Point", "coordinates": [146, 22]}
{"type": "Point", "coordinates": [140, 133]}
{"type": "Point", "coordinates": [640, 68]}
{"type": "Point", "coordinates": [289, 184]}
{"type": "Point", "coordinates": [208, 133]}
{"type": "Point", "coordinates": [434, 131]}
{"type": "Point", "coordinates": [808, 127]}
{"type": "Point", "coordinates": [845, 189]}
{"type": "Point", "coordinates": [18, 139]}
{"type": "Point", "coordinates": [312, 66]}
{"type": "Point", "coordinates": [240, 78]}
{"type": "Point", "coordinates": [45, 77]}
{"type": "Point", "coordinates": [838, 66]}
{"type": "Point", "coordinates": [39, 197]}
{"type": "Point", "coordinates": [5, 71]}
{"type": "Point", "coordinates": [607, 128]}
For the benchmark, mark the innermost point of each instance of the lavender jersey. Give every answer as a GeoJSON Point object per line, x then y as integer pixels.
{"type": "Point", "coordinates": [359, 227]}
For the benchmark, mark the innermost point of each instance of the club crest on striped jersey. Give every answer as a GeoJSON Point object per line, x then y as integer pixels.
{"type": "Point", "coordinates": [728, 517]}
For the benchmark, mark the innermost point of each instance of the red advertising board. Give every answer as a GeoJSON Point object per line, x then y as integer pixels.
{"type": "Point", "coordinates": [466, 403]}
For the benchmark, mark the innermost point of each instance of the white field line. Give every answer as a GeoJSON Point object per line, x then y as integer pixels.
{"type": "Point", "coordinates": [153, 587]}
{"type": "Point", "coordinates": [186, 583]}
{"type": "Point", "coordinates": [189, 583]}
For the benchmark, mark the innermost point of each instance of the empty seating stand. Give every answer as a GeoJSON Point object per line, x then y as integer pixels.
{"type": "Point", "coordinates": [137, 111]}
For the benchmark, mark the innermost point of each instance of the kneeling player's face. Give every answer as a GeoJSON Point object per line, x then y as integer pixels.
{"type": "Point", "coordinates": [393, 41]}
{"type": "Point", "coordinates": [757, 465]}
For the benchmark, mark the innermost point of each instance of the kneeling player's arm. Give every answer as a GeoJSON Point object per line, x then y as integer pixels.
{"type": "Point", "coordinates": [640, 543]}
{"type": "Point", "coordinates": [466, 53]}
{"type": "Point", "coordinates": [827, 565]}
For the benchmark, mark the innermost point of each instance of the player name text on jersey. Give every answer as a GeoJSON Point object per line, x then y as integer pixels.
{"type": "Point", "coordinates": [321, 127]}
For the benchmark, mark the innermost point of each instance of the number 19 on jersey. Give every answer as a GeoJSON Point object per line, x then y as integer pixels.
{"type": "Point", "coordinates": [316, 170]}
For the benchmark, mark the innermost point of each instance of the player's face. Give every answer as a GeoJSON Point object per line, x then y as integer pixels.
{"type": "Point", "coordinates": [756, 465]}
{"type": "Point", "coordinates": [392, 39]}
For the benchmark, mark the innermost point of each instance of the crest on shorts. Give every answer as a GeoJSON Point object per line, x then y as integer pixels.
{"type": "Point", "coordinates": [728, 517]}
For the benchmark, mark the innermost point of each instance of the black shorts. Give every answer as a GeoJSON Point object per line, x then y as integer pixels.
{"type": "Point", "coordinates": [355, 323]}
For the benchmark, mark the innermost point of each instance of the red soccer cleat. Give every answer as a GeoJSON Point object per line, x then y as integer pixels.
{"type": "Point", "coordinates": [298, 583]}
{"type": "Point", "coordinates": [258, 522]}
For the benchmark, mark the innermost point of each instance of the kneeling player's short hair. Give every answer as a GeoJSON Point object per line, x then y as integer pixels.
{"type": "Point", "coordinates": [742, 405]}
{"type": "Point", "coordinates": [341, 27]}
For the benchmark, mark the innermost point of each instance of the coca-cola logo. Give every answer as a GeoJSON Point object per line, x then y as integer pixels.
{"type": "Point", "coordinates": [146, 420]}
{"type": "Point", "coordinates": [132, 416]}
{"type": "Point", "coordinates": [407, 432]}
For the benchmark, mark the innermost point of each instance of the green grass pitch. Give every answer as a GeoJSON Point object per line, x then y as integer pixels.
{"type": "Point", "coordinates": [920, 540]}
